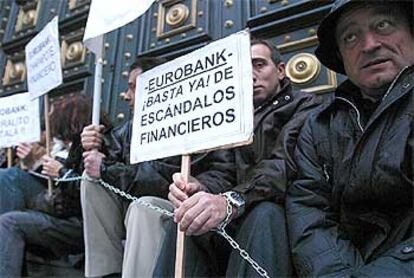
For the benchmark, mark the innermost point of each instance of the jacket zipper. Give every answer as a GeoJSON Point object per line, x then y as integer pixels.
{"type": "Point", "coordinates": [393, 83]}
{"type": "Point", "coordinates": [356, 110]}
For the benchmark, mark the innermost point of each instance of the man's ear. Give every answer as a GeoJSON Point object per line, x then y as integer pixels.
{"type": "Point", "coordinates": [281, 70]}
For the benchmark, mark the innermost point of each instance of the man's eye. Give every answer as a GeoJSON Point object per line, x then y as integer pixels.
{"type": "Point", "coordinates": [350, 38]}
{"type": "Point", "coordinates": [383, 25]}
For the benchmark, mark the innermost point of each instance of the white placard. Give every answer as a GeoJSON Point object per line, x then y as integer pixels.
{"type": "Point", "coordinates": [200, 101]}
{"type": "Point", "coordinates": [44, 69]}
{"type": "Point", "coordinates": [19, 120]}
{"type": "Point", "coordinates": [107, 15]}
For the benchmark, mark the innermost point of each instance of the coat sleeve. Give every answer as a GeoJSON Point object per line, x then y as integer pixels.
{"type": "Point", "coordinates": [146, 178]}
{"type": "Point", "coordinates": [269, 178]}
{"type": "Point", "coordinates": [216, 171]}
{"type": "Point", "coordinates": [318, 246]}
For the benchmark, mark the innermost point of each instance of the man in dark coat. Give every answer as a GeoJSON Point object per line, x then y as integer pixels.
{"type": "Point", "coordinates": [256, 200]}
{"type": "Point", "coordinates": [350, 210]}
{"type": "Point", "coordinates": [104, 212]}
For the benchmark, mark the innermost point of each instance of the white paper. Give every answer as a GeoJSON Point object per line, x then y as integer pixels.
{"type": "Point", "coordinates": [44, 69]}
{"type": "Point", "coordinates": [19, 120]}
{"type": "Point", "coordinates": [200, 101]}
{"type": "Point", "coordinates": [107, 15]}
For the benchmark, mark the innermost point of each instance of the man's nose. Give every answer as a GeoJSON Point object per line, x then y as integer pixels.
{"type": "Point", "coordinates": [127, 96]}
{"type": "Point", "coordinates": [370, 42]}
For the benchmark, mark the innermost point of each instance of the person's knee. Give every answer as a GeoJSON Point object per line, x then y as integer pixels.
{"type": "Point", "coordinates": [8, 222]}
{"type": "Point", "coordinates": [265, 210]}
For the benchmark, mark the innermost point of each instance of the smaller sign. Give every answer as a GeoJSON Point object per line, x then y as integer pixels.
{"type": "Point", "coordinates": [44, 69]}
{"type": "Point", "coordinates": [19, 120]}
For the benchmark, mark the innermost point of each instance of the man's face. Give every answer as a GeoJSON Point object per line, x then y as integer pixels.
{"type": "Point", "coordinates": [375, 46]}
{"type": "Point", "coordinates": [266, 75]}
{"type": "Point", "coordinates": [132, 82]}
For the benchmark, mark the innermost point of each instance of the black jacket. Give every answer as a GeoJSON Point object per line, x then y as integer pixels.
{"type": "Point", "coordinates": [353, 199]}
{"type": "Point", "coordinates": [214, 169]}
{"type": "Point", "coordinates": [263, 167]}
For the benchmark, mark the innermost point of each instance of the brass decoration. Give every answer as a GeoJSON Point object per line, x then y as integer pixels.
{"type": "Point", "coordinates": [285, 3]}
{"type": "Point", "coordinates": [75, 4]}
{"type": "Point", "coordinates": [15, 72]}
{"type": "Point", "coordinates": [120, 116]}
{"type": "Point", "coordinates": [312, 31]}
{"type": "Point", "coordinates": [28, 16]}
{"type": "Point", "coordinates": [228, 3]}
{"type": "Point", "coordinates": [305, 43]}
{"type": "Point", "coordinates": [72, 51]}
{"type": "Point", "coordinates": [297, 45]}
{"type": "Point", "coordinates": [263, 10]}
{"type": "Point", "coordinates": [228, 24]}
{"type": "Point", "coordinates": [303, 68]}
{"type": "Point", "coordinates": [175, 18]}
{"type": "Point", "coordinates": [177, 15]}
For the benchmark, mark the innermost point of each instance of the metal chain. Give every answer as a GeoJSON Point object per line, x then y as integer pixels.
{"type": "Point", "coordinates": [221, 231]}
{"type": "Point", "coordinates": [243, 253]}
{"type": "Point", "coordinates": [133, 198]}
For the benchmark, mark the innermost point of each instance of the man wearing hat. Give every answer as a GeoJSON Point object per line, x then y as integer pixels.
{"type": "Point", "coordinates": [350, 209]}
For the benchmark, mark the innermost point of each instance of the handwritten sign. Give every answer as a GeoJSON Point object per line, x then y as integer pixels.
{"type": "Point", "coordinates": [19, 120]}
{"type": "Point", "coordinates": [44, 70]}
{"type": "Point", "coordinates": [200, 101]}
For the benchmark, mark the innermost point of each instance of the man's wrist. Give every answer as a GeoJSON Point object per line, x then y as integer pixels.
{"type": "Point", "coordinates": [237, 201]}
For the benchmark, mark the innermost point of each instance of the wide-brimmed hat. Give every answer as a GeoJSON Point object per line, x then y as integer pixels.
{"type": "Point", "coordinates": [327, 50]}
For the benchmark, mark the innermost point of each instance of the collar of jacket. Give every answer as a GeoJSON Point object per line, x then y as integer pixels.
{"type": "Point", "coordinates": [402, 84]}
{"type": "Point", "coordinates": [283, 96]}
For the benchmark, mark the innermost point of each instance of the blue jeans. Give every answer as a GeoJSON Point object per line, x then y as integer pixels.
{"type": "Point", "coordinates": [21, 227]}
{"type": "Point", "coordinates": [261, 232]}
{"type": "Point", "coordinates": [17, 189]}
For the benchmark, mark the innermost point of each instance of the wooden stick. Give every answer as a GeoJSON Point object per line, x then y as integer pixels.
{"type": "Point", "coordinates": [180, 250]}
{"type": "Point", "coordinates": [47, 130]}
{"type": "Point", "coordinates": [9, 157]}
{"type": "Point", "coordinates": [96, 108]}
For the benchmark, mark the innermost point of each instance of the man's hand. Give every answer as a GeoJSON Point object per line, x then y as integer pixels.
{"type": "Point", "coordinates": [51, 166]}
{"type": "Point", "coordinates": [23, 150]}
{"type": "Point", "coordinates": [92, 161]}
{"type": "Point", "coordinates": [201, 213]}
{"type": "Point", "coordinates": [180, 191]}
{"type": "Point", "coordinates": [91, 137]}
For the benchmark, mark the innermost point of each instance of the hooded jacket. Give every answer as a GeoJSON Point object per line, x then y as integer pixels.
{"type": "Point", "coordinates": [265, 166]}
{"type": "Point", "coordinates": [353, 199]}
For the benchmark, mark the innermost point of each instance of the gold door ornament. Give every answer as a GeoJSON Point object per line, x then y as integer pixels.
{"type": "Point", "coordinates": [174, 17]}
{"type": "Point", "coordinates": [28, 15]}
{"type": "Point", "coordinates": [303, 68]}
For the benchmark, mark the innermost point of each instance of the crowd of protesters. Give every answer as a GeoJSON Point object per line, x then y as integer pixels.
{"type": "Point", "coordinates": [325, 189]}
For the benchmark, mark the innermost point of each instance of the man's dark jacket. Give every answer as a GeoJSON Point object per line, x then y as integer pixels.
{"type": "Point", "coordinates": [352, 202]}
{"type": "Point", "coordinates": [263, 167]}
{"type": "Point", "coordinates": [154, 177]}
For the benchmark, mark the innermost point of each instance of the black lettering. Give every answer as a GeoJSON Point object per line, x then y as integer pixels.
{"type": "Point", "coordinates": [230, 117]}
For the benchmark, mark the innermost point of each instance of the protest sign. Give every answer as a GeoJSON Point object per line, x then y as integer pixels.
{"type": "Point", "coordinates": [19, 120]}
{"type": "Point", "coordinates": [200, 101]}
{"type": "Point", "coordinates": [44, 70]}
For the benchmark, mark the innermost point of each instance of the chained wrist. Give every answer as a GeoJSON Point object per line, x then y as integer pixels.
{"type": "Point", "coordinates": [229, 213]}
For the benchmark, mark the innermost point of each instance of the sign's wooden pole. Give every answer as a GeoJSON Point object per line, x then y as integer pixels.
{"type": "Point", "coordinates": [48, 139]}
{"type": "Point", "coordinates": [180, 250]}
{"type": "Point", "coordinates": [9, 157]}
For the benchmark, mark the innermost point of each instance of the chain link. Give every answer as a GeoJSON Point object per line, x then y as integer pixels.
{"type": "Point", "coordinates": [243, 253]}
{"type": "Point", "coordinates": [221, 231]}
